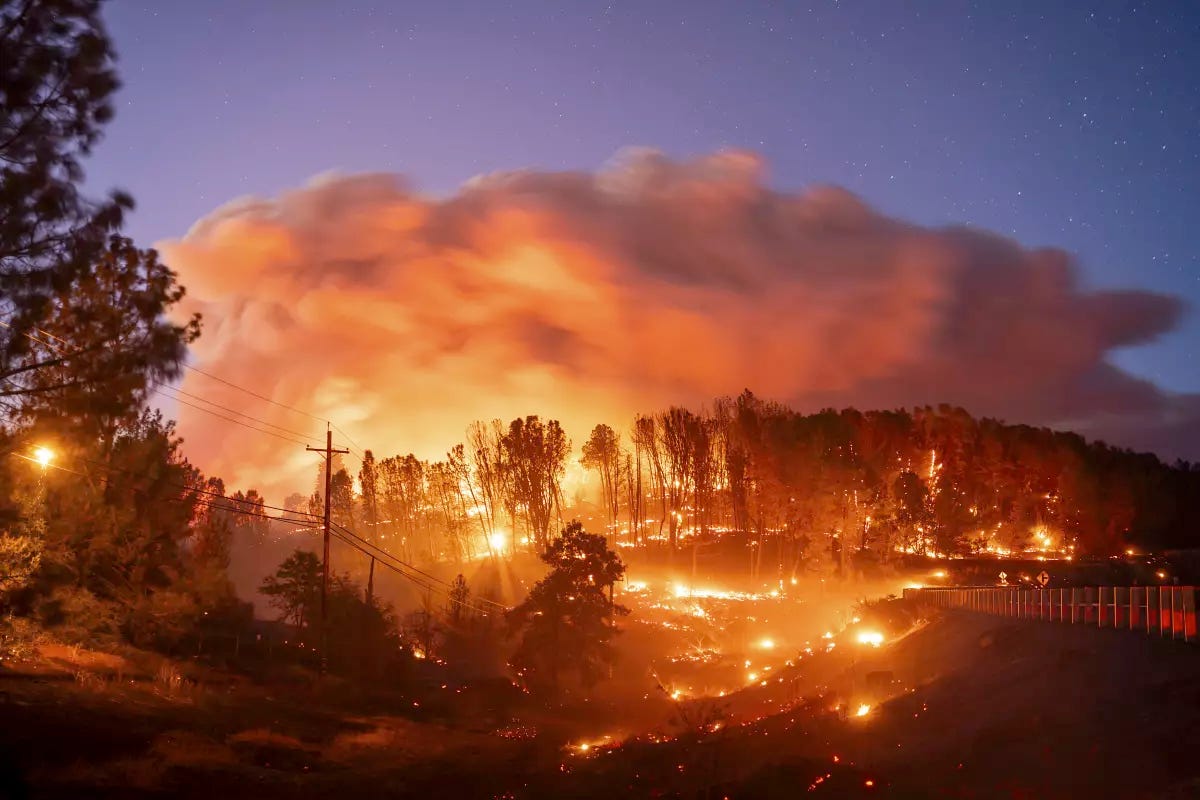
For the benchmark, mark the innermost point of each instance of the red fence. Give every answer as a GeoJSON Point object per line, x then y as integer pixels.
{"type": "Point", "coordinates": [1167, 611]}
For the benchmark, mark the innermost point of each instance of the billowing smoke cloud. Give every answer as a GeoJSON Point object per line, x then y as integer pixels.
{"type": "Point", "coordinates": [588, 297]}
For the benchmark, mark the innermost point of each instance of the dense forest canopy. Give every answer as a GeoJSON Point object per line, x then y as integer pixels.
{"type": "Point", "coordinates": [823, 492]}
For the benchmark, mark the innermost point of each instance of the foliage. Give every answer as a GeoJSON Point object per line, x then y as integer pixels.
{"type": "Point", "coordinates": [19, 637]}
{"type": "Point", "coordinates": [20, 557]}
{"type": "Point", "coordinates": [131, 542]}
{"type": "Point", "coordinates": [360, 636]}
{"type": "Point", "coordinates": [295, 588]}
{"type": "Point", "coordinates": [103, 343]}
{"type": "Point", "coordinates": [457, 611]}
{"type": "Point", "coordinates": [602, 453]}
{"type": "Point", "coordinates": [56, 83]}
{"type": "Point", "coordinates": [566, 622]}
{"type": "Point", "coordinates": [535, 455]}
{"type": "Point", "coordinates": [363, 637]}
{"type": "Point", "coordinates": [77, 615]}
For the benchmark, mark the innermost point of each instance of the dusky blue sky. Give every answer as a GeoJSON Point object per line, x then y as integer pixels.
{"type": "Point", "coordinates": [1074, 124]}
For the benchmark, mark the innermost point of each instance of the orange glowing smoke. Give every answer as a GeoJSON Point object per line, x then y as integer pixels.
{"type": "Point", "coordinates": [587, 297]}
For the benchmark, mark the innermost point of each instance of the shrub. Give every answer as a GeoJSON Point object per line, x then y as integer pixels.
{"type": "Point", "coordinates": [76, 614]}
{"type": "Point", "coordinates": [19, 638]}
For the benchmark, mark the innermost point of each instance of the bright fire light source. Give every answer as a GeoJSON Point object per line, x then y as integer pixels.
{"type": "Point", "coordinates": [496, 540]}
{"type": "Point", "coordinates": [752, 677]}
{"type": "Point", "coordinates": [941, 573]}
{"type": "Point", "coordinates": [767, 644]}
{"type": "Point", "coordinates": [43, 456]}
{"type": "Point", "coordinates": [585, 747]}
{"type": "Point", "coordinates": [873, 638]}
{"type": "Point", "coordinates": [863, 710]}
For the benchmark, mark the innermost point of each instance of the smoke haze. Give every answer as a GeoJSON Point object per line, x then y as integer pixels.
{"type": "Point", "coordinates": [590, 296]}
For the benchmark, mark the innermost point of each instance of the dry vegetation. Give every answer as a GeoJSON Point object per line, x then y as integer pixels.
{"type": "Point", "coordinates": [1020, 706]}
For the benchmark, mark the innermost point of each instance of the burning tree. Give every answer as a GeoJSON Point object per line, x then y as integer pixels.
{"type": "Point", "coordinates": [602, 452]}
{"type": "Point", "coordinates": [536, 454]}
{"type": "Point", "coordinates": [567, 619]}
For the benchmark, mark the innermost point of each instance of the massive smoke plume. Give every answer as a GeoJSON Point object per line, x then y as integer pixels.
{"type": "Point", "coordinates": [590, 296]}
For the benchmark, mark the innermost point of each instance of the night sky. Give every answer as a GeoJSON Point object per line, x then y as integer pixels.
{"type": "Point", "coordinates": [1066, 123]}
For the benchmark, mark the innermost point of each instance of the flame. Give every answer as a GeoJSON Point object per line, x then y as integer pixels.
{"type": "Point", "coordinates": [873, 638]}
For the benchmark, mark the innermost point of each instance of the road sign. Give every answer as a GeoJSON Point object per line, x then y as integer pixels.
{"type": "Point", "coordinates": [1004, 578]}
{"type": "Point", "coordinates": [1043, 578]}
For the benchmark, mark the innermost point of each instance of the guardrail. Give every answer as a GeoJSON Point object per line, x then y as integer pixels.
{"type": "Point", "coordinates": [1166, 611]}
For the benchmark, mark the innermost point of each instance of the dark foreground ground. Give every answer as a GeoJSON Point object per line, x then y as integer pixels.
{"type": "Point", "coordinates": [963, 707]}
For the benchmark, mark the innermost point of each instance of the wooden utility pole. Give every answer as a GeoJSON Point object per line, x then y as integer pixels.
{"type": "Point", "coordinates": [329, 453]}
{"type": "Point", "coordinates": [371, 583]}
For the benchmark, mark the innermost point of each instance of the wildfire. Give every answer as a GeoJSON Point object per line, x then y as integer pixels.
{"type": "Point", "coordinates": [863, 710]}
{"type": "Point", "coordinates": [873, 638]}
{"type": "Point", "coordinates": [43, 456]}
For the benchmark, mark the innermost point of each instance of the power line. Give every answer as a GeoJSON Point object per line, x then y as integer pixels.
{"type": "Point", "coordinates": [215, 496]}
{"type": "Point", "coordinates": [234, 421]}
{"type": "Point", "coordinates": [358, 452]}
{"type": "Point", "coordinates": [384, 553]}
{"type": "Point", "coordinates": [429, 587]}
{"type": "Point", "coordinates": [254, 394]}
{"type": "Point", "coordinates": [235, 411]}
{"type": "Point", "coordinates": [186, 487]}
{"type": "Point", "coordinates": [343, 534]}
{"type": "Point", "coordinates": [162, 389]}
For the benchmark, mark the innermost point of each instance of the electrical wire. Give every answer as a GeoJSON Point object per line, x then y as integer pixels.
{"type": "Point", "coordinates": [161, 390]}
{"type": "Point", "coordinates": [384, 557]}
{"type": "Point", "coordinates": [384, 553]}
{"type": "Point", "coordinates": [177, 390]}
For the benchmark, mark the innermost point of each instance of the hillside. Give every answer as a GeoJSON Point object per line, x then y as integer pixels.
{"type": "Point", "coordinates": [973, 707]}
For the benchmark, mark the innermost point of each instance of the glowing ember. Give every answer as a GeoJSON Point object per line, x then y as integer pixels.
{"type": "Point", "coordinates": [873, 638]}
